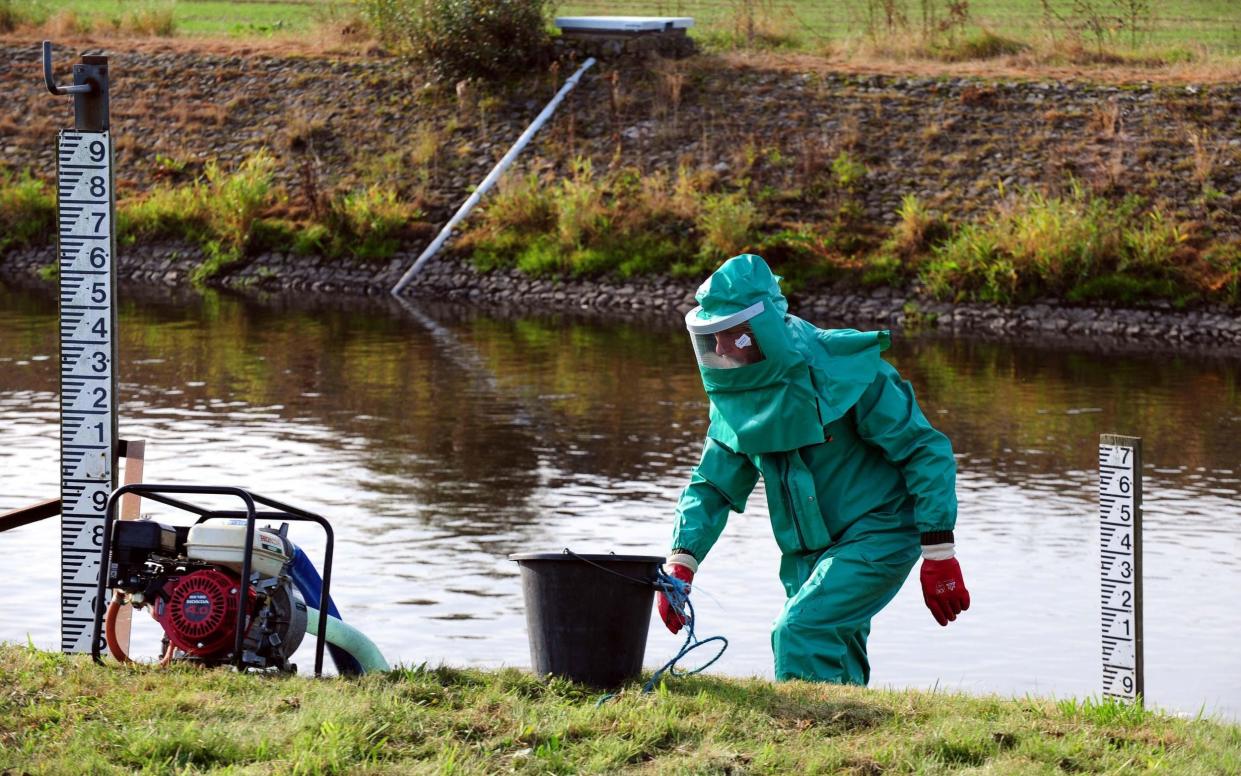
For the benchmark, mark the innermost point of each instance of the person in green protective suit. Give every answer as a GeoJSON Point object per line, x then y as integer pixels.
{"type": "Point", "coordinates": [858, 482]}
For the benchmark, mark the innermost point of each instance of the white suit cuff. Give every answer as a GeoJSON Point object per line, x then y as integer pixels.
{"type": "Point", "coordinates": [682, 559]}
{"type": "Point", "coordinates": [938, 551]}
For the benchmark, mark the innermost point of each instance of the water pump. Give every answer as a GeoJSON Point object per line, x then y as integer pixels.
{"type": "Point", "coordinates": [190, 579]}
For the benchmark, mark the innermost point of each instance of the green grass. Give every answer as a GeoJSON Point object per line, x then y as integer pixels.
{"type": "Point", "coordinates": [1177, 26]}
{"type": "Point", "coordinates": [61, 714]}
{"type": "Point", "coordinates": [205, 18]}
{"type": "Point", "coordinates": [1213, 24]}
{"type": "Point", "coordinates": [1076, 246]}
{"type": "Point", "coordinates": [226, 212]}
{"type": "Point", "coordinates": [27, 210]}
{"type": "Point", "coordinates": [590, 223]}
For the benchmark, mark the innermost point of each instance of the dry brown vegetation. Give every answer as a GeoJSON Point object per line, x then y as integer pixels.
{"type": "Point", "coordinates": [1013, 67]}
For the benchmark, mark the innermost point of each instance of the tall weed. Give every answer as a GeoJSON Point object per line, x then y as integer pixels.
{"type": "Point", "coordinates": [725, 225]}
{"type": "Point", "coordinates": [1154, 244]}
{"type": "Point", "coordinates": [972, 265]}
{"type": "Point", "coordinates": [579, 206]}
{"type": "Point", "coordinates": [164, 212]}
{"type": "Point", "coordinates": [522, 203]}
{"type": "Point", "coordinates": [459, 39]}
{"type": "Point", "coordinates": [235, 200]}
{"type": "Point", "coordinates": [367, 223]}
{"type": "Point", "coordinates": [917, 228]}
{"type": "Point", "coordinates": [983, 44]}
{"type": "Point", "coordinates": [1222, 272]}
{"type": "Point", "coordinates": [1076, 246]}
{"type": "Point", "coordinates": [27, 210]}
{"type": "Point", "coordinates": [220, 212]}
{"type": "Point", "coordinates": [588, 224]}
{"type": "Point", "coordinates": [754, 25]}
{"type": "Point", "coordinates": [67, 22]}
{"type": "Point", "coordinates": [12, 16]}
{"type": "Point", "coordinates": [150, 19]}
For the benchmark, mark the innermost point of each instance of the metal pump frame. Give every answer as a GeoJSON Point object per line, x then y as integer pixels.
{"type": "Point", "coordinates": [281, 511]}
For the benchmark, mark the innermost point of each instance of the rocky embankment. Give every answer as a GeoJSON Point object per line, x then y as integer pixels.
{"type": "Point", "coordinates": [956, 143]}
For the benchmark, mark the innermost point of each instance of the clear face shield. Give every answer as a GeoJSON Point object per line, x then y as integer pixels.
{"type": "Point", "coordinates": [725, 343]}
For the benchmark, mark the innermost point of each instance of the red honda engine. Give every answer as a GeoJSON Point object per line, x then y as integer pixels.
{"type": "Point", "coordinates": [191, 581]}
{"type": "Point", "coordinates": [199, 615]}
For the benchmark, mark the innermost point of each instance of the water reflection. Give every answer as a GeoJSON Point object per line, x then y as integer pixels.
{"type": "Point", "coordinates": [441, 440]}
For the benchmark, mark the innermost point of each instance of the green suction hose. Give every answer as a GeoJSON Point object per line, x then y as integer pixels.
{"type": "Point", "coordinates": [350, 639]}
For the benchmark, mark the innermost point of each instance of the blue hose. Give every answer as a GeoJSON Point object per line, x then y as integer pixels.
{"type": "Point", "coordinates": [310, 584]}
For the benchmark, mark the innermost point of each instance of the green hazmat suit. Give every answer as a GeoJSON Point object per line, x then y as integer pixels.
{"type": "Point", "coordinates": [856, 476]}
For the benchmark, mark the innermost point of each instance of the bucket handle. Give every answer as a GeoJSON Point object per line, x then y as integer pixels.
{"type": "Point", "coordinates": [626, 577]}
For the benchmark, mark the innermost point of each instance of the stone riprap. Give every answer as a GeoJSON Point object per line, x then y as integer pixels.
{"type": "Point", "coordinates": [450, 280]}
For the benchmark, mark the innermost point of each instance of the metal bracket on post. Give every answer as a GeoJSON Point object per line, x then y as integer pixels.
{"type": "Point", "coordinates": [89, 90]}
{"type": "Point", "coordinates": [86, 253]}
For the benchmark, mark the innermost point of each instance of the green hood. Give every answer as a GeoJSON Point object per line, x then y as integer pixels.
{"type": "Point", "coordinates": [808, 378]}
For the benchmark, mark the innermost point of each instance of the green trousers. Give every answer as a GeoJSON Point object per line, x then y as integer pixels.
{"type": "Point", "coordinates": [821, 633]}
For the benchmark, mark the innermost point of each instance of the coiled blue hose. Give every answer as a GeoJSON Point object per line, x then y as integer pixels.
{"type": "Point", "coordinates": [677, 593]}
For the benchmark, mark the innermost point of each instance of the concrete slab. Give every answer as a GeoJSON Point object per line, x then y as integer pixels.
{"type": "Point", "coordinates": [623, 25]}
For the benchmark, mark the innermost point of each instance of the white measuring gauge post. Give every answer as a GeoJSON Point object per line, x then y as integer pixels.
{"type": "Point", "coordinates": [1120, 545]}
{"type": "Point", "coordinates": [87, 371]}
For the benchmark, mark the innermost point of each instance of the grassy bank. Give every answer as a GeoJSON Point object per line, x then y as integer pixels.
{"type": "Point", "coordinates": [807, 23]}
{"type": "Point", "coordinates": [62, 714]}
{"type": "Point", "coordinates": [231, 214]}
{"type": "Point", "coordinates": [1082, 31]}
{"type": "Point", "coordinates": [1072, 244]}
{"type": "Point", "coordinates": [206, 18]}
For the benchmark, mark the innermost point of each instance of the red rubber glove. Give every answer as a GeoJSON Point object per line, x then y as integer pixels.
{"type": "Point", "coordinates": [943, 589]}
{"type": "Point", "coordinates": [673, 620]}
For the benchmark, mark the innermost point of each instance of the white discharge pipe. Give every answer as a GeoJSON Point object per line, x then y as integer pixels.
{"type": "Point", "coordinates": [491, 178]}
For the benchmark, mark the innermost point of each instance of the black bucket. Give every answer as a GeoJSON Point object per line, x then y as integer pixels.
{"type": "Point", "coordinates": [588, 622]}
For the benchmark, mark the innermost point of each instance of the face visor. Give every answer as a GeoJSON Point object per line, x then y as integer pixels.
{"type": "Point", "coordinates": [726, 342]}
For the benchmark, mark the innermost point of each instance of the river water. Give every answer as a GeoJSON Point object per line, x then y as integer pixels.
{"type": "Point", "coordinates": [438, 441]}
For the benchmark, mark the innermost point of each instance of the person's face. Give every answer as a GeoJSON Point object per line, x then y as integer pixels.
{"type": "Point", "coordinates": [738, 345]}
